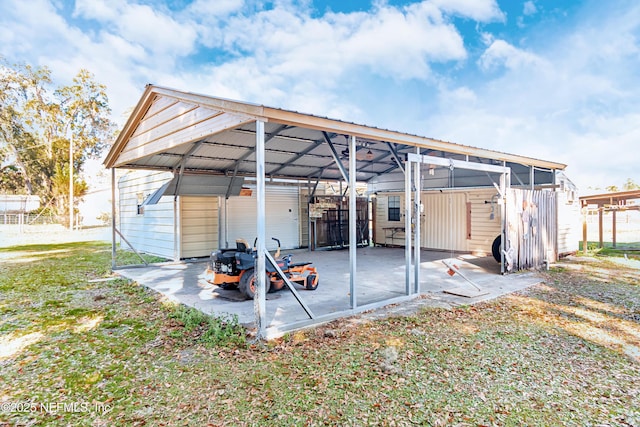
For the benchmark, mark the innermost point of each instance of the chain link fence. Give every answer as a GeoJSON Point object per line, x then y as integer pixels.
{"type": "Point", "coordinates": [28, 219]}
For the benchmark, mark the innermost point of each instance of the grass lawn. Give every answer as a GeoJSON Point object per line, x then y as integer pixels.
{"type": "Point", "coordinates": [79, 351]}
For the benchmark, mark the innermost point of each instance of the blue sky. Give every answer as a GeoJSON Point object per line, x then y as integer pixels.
{"type": "Point", "coordinates": [557, 80]}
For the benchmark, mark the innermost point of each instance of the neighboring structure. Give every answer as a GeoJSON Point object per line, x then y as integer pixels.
{"type": "Point", "coordinates": [620, 201]}
{"type": "Point", "coordinates": [14, 207]}
{"type": "Point", "coordinates": [211, 153]}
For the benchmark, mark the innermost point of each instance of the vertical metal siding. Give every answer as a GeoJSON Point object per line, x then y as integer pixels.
{"type": "Point", "coordinates": [444, 221]}
{"type": "Point", "coordinates": [199, 225]}
{"type": "Point", "coordinates": [304, 218]}
{"type": "Point", "coordinates": [439, 226]}
{"type": "Point", "coordinates": [532, 228]}
{"type": "Point", "coordinates": [484, 229]}
{"type": "Point", "coordinates": [282, 213]}
{"type": "Point", "coordinates": [388, 232]}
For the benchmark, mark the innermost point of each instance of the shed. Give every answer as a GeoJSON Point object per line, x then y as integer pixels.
{"type": "Point", "coordinates": [189, 136]}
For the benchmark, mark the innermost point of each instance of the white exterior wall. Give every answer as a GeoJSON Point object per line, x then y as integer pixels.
{"type": "Point", "coordinates": [484, 229]}
{"type": "Point", "coordinates": [444, 220]}
{"type": "Point", "coordinates": [387, 232]}
{"type": "Point", "coordinates": [153, 231]}
{"type": "Point", "coordinates": [198, 225]}
{"type": "Point", "coordinates": [282, 222]}
{"type": "Point", "coordinates": [569, 223]}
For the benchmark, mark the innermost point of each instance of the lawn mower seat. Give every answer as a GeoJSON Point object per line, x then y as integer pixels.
{"type": "Point", "coordinates": [242, 245]}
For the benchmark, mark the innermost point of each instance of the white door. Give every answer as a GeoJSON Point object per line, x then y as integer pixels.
{"type": "Point", "coordinates": [281, 212]}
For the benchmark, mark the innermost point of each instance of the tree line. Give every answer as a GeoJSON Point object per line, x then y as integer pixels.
{"type": "Point", "coordinates": [629, 185]}
{"type": "Point", "coordinates": [46, 131]}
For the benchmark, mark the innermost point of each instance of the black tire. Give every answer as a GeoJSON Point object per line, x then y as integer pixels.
{"type": "Point", "coordinates": [248, 283]}
{"type": "Point", "coordinates": [496, 248]}
{"type": "Point", "coordinates": [229, 286]}
{"type": "Point", "coordinates": [311, 282]}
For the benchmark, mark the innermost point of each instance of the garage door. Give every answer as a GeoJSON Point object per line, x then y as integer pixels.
{"type": "Point", "coordinates": [282, 217]}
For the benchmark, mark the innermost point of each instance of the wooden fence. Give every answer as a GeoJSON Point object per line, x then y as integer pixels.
{"type": "Point", "coordinates": [532, 228]}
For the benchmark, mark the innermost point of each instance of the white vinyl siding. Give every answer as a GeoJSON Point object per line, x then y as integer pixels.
{"type": "Point", "coordinates": [153, 231]}
{"type": "Point", "coordinates": [199, 225]}
{"type": "Point", "coordinates": [387, 232]}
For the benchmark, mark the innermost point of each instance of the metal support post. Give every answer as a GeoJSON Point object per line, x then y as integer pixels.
{"type": "Point", "coordinates": [353, 244]}
{"type": "Point", "coordinates": [113, 218]}
{"type": "Point", "coordinates": [416, 208]}
{"type": "Point", "coordinates": [407, 226]}
{"type": "Point", "coordinates": [260, 299]}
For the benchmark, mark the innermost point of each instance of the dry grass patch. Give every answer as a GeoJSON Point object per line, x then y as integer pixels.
{"type": "Point", "coordinates": [561, 353]}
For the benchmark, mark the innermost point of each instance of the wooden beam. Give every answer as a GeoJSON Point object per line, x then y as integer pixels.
{"type": "Point", "coordinates": [585, 212]}
{"type": "Point", "coordinates": [600, 228]}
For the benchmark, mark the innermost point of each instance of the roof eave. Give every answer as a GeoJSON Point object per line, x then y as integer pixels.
{"type": "Point", "coordinates": [312, 122]}
{"type": "Point", "coordinates": [326, 124]}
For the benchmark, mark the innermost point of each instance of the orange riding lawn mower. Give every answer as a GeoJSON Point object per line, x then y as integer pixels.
{"type": "Point", "coordinates": [234, 268]}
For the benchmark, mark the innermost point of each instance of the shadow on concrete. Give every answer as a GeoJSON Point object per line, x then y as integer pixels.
{"type": "Point", "coordinates": [380, 276]}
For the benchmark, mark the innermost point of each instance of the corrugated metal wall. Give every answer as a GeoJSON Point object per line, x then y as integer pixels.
{"type": "Point", "coordinates": [444, 221]}
{"type": "Point", "coordinates": [199, 225]}
{"type": "Point", "coordinates": [282, 212]}
{"type": "Point", "coordinates": [486, 220]}
{"type": "Point", "coordinates": [152, 231]}
{"type": "Point", "coordinates": [458, 219]}
{"type": "Point", "coordinates": [532, 228]}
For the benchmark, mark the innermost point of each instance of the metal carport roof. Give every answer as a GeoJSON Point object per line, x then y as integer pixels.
{"type": "Point", "coordinates": [195, 134]}
{"type": "Point", "coordinates": [174, 130]}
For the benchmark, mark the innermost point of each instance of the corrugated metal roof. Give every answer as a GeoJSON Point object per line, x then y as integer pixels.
{"type": "Point", "coordinates": [295, 143]}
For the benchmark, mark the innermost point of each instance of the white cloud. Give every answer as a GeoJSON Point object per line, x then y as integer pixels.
{"type": "Point", "coordinates": [100, 10]}
{"type": "Point", "coordinates": [152, 28]}
{"type": "Point", "coordinates": [529, 8]}
{"type": "Point", "coordinates": [501, 53]}
{"type": "Point", "coordinates": [389, 41]}
{"type": "Point", "coordinates": [204, 9]}
{"type": "Point", "coordinates": [572, 97]}
{"type": "Point", "coordinates": [156, 31]}
{"type": "Point", "coordinates": [478, 10]}
{"type": "Point", "coordinates": [568, 94]}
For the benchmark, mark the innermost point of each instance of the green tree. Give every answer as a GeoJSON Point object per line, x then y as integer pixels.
{"type": "Point", "coordinates": [38, 123]}
{"type": "Point", "coordinates": [630, 185]}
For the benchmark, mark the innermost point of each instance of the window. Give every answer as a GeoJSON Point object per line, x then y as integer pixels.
{"type": "Point", "coordinates": [394, 208]}
{"type": "Point", "coordinates": [140, 204]}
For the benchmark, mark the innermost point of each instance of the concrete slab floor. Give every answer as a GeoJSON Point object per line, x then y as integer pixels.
{"type": "Point", "coordinates": [380, 276]}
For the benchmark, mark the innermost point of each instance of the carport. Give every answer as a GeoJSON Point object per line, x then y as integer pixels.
{"type": "Point", "coordinates": [194, 135]}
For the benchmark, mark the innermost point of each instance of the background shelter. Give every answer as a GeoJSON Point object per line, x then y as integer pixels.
{"type": "Point", "coordinates": [619, 201]}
